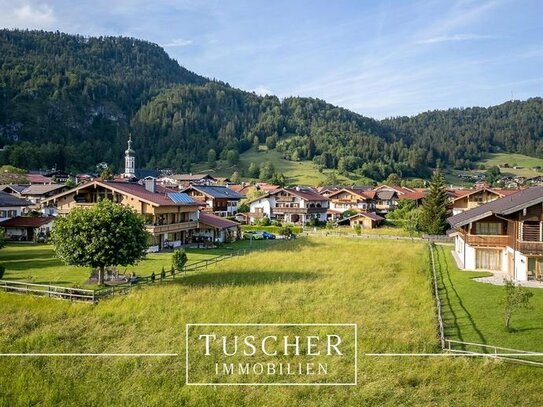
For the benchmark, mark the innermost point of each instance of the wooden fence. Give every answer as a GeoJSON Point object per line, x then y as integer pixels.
{"type": "Point", "coordinates": [84, 295]}
{"type": "Point", "coordinates": [50, 291]}
{"type": "Point", "coordinates": [168, 275]}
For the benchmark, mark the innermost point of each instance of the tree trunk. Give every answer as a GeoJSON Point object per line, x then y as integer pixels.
{"type": "Point", "coordinates": [101, 275]}
{"type": "Point", "coordinates": [508, 314]}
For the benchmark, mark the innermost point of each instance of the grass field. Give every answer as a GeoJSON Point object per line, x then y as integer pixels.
{"type": "Point", "coordinates": [382, 286]}
{"type": "Point", "coordinates": [474, 313]}
{"type": "Point", "coordinates": [297, 172]}
{"type": "Point", "coordinates": [38, 264]}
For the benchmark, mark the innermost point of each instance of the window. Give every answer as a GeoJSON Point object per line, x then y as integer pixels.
{"type": "Point", "coordinates": [488, 228]}
{"type": "Point", "coordinates": [487, 259]}
{"type": "Point", "coordinates": [2, 214]}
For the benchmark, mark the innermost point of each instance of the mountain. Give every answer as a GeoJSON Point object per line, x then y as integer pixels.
{"type": "Point", "coordinates": [72, 97]}
{"type": "Point", "coordinates": [70, 101]}
{"type": "Point", "coordinates": [461, 137]}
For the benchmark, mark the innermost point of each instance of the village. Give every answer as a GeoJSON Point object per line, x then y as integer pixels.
{"type": "Point", "coordinates": [184, 210]}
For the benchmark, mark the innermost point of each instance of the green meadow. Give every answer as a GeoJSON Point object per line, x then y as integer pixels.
{"type": "Point", "coordinates": [38, 264]}
{"type": "Point", "coordinates": [382, 286]}
{"type": "Point", "coordinates": [297, 172]}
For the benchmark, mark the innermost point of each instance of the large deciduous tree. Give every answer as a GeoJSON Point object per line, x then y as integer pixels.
{"type": "Point", "coordinates": [434, 209]}
{"type": "Point", "coordinates": [107, 234]}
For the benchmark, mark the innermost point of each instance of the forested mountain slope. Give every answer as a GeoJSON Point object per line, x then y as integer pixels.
{"type": "Point", "coordinates": [71, 101]}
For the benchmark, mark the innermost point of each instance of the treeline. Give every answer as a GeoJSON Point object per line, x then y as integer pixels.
{"type": "Point", "coordinates": [71, 101]}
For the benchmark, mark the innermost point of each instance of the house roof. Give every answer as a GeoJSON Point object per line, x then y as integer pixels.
{"type": "Point", "coordinates": [362, 193]}
{"type": "Point", "coordinates": [10, 200]}
{"type": "Point", "coordinates": [38, 179]}
{"type": "Point", "coordinates": [160, 197]}
{"type": "Point", "coordinates": [414, 196]}
{"type": "Point", "coordinates": [216, 221]}
{"type": "Point", "coordinates": [369, 215]}
{"type": "Point", "coordinates": [501, 206]}
{"type": "Point", "coordinates": [14, 187]}
{"type": "Point", "coordinates": [216, 191]}
{"type": "Point", "coordinates": [41, 189]}
{"type": "Point", "coordinates": [26, 222]}
{"type": "Point", "coordinates": [385, 194]}
{"type": "Point", "coordinates": [191, 177]}
{"type": "Point", "coordinates": [307, 194]}
{"type": "Point", "coordinates": [459, 194]}
{"type": "Point", "coordinates": [397, 188]}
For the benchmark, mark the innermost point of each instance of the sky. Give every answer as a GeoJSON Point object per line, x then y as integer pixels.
{"type": "Point", "coordinates": [377, 58]}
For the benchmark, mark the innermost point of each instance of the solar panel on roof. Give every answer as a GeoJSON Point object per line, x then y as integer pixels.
{"type": "Point", "coordinates": [180, 197]}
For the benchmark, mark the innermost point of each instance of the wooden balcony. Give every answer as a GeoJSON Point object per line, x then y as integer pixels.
{"type": "Point", "coordinates": [530, 247]}
{"type": "Point", "coordinates": [171, 228]}
{"type": "Point", "coordinates": [299, 210]}
{"type": "Point", "coordinates": [487, 240]}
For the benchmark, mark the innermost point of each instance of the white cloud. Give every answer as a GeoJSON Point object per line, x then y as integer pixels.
{"type": "Point", "coordinates": [178, 42]}
{"type": "Point", "coordinates": [27, 15]}
{"type": "Point", "coordinates": [457, 37]}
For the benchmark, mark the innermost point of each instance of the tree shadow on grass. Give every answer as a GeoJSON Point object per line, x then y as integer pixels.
{"type": "Point", "coordinates": [31, 264]}
{"type": "Point", "coordinates": [233, 278]}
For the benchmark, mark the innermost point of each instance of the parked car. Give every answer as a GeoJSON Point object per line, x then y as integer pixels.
{"type": "Point", "coordinates": [253, 234]}
{"type": "Point", "coordinates": [268, 235]}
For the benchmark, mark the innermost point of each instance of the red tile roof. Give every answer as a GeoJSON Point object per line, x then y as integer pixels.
{"type": "Point", "coordinates": [38, 179]}
{"type": "Point", "coordinates": [138, 190]}
{"type": "Point", "coordinates": [26, 222]}
{"type": "Point", "coordinates": [216, 221]}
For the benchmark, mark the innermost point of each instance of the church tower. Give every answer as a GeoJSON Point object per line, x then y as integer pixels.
{"type": "Point", "coordinates": [129, 160]}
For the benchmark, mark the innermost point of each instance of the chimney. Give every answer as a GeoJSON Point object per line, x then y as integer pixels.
{"type": "Point", "coordinates": [150, 185]}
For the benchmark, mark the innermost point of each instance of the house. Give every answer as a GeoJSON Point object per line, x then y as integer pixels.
{"type": "Point", "coordinates": [366, 220]}
{"type": "Point", "coordinates": [27, 228]}
{"type": "Point", "coordinates": [11, 206]}
{"type": "Point", "coordinates": [358, 199]}
{"type": "Point", "coordinates": [387, 197]}
{"type": "Point", "coordinates": [218, 199]}
{"type": "Point", "coordinates": [169, 216]}
{"type": "Point", "coordinates": [504, 235]}
{"type": "Point", "coordinates": [57, 176]}
{"type": "Point", "coordinates": [242, 218]}
{"type": "Point", "coordinates": [14, 189]}
{"type": "Point", "coordinates": [184, 180]}
{"type": "Point", "coordinates": [291, 205]}
{"type": "Point", "coordinates": [37, 178]}
{"type": "Point", "coordinates": [465, 199]}
{"type": "Point", "coordinates": [215, 229]}
{"type": "Point", "coordinates": [37, 193]}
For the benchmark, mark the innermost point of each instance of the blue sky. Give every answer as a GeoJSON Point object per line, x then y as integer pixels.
{"type": "Point", "coordinates": [378, 58]}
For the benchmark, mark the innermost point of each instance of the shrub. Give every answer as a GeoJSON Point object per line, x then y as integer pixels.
{"type": "Point", "coordinates": [285, 231]}
{"type": "Point", "coordinates": [265, 221]}
{"type": "Point", "coordinates": [179, 259]}
{"type": "Point", "coordinates": [358, 229]}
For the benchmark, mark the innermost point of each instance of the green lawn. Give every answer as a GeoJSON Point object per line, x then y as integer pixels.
{"type": "Point", "coordinates": [38, 264]}
{"type": "Point", "coordinates": [297, 172]}
{"type": "Point", "coordinates": [473, 311]}
{"type": "Point", "coordinates": [382, 286]}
